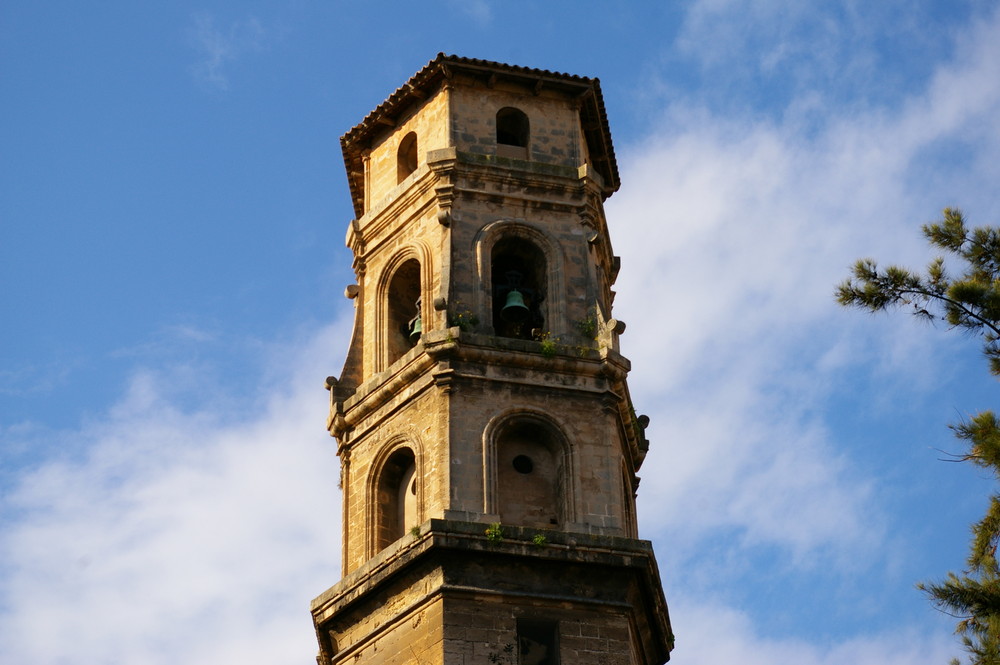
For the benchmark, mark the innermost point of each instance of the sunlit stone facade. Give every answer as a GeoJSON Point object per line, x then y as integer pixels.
{"type": "Point", "coordinates": [488, 442]}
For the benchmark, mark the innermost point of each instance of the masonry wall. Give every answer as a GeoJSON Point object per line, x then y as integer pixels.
{"type": "Point", "coordinates": [416, 421]}
{"type": "Point", "coordinates": [555, 133]}
{"type": "Point", "coordinates": [584, 604]}
{"type": "Point", "coordinates": [477, 628]}
{"type": "Point", "coordinates": [430, 121]}
{"type": "Point", "coordinates": [591, 461]}
{"type": "Point", "coordinates": [468, 409]}
{"type": "Point", "coordinates": [491, 209]}
{"type": "Point", "coordinates": [406, 229]}
{"type": "Point", "coordinates": [457, 476]}
{"type": "Point", "coordinates": [453, 437]}
{"type": "Point", "coordinates": [400, 624]}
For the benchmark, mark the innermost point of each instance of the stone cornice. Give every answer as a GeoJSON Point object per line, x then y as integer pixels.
{"type": "Point", "coordinates": [438, 358]}
{"type": "Point", "coordinates": [562, 185]}
{"type": "Point", "coordinates": [448, 174]}
{"type": "Point", "coordinates": [450, 543]}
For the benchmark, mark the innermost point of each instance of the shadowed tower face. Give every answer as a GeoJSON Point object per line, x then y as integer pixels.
{"type": "Point", "coordinates": [488, 443]}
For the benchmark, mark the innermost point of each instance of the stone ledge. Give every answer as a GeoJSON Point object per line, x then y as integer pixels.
{"type": "Point", "coordinates": [516, 541]}
{"type": "Point", "coordinates": [453, 559]}
{"type": "Point", "coordinates": [437, 346]}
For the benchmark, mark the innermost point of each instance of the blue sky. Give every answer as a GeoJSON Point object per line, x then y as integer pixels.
{"type": "Point", "coordinates": [173, 208]}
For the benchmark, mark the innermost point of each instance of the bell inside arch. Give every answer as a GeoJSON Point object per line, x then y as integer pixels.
{"type": "Point", "coordinates": [416, 326]}
{"type": "Point", "coordinates": [514, 310]}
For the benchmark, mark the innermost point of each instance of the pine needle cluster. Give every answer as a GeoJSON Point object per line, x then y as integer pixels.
{"type": "Point", "coordinates": [971, 303]}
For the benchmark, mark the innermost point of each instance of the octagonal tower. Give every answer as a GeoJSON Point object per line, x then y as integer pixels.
{"type": "Point", "coordinates": [488, 442]}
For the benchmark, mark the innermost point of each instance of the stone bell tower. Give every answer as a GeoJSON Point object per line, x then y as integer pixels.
{"type": "Point", "coordinates": [488, 442]}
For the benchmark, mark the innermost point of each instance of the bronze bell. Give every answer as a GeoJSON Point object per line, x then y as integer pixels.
{"type": "Point", "coordinates": [416, 325]}
{"type": "Point", "coordinates": [514, 311]}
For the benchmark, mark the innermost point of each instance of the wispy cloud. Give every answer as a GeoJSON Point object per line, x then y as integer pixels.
{"type": "Point", "coordinates": [479, 11]}
{"type": "Point", "coordinates": [736, 340]}
{"type": "Point", "coordinates": [803, 54]}
{"type": "Point", "coordinates": [218, 520]}
{"type": "Point", "coordinates": [220, 47]}
{"type": "Point", "coordinates": [28, 379]}
{"type": "Point", "coordinates": [711, 633]}
{"type": "Point", "coordinates": [220, 525]}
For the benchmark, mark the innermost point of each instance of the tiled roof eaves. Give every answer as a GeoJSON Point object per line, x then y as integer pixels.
{"type": "Point", "coordinates": [599, 143]}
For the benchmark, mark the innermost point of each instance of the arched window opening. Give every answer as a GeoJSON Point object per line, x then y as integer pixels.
{"type": "Point", "coordinates": [518, 272]}
{"type": "Point", "coordinates": [406, 157]}
{"type": "Point", "coordinates": [396, 498]}
{"type": "Point", "coordinates": [512, 127]}
{"type": "Point", "coordinates": [404, 321]}
{"type": "Point", "coordinates": [530, 475]}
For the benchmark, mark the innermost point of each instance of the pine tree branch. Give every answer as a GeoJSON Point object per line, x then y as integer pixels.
{"type": "Point", "coordinates": [970, 302]}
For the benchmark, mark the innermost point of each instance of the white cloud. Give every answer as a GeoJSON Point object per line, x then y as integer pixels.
{"type": "Point", "coordinates": [29, 379]}
{"type": "Point", "coordinates": [735, 337]}
{"type": "Point", "coordinates": [709, 633]}
{"type": "Point", "coordinates": [221, 47]}
{"type": "Point", "coordinates": [807, 44]}
{"type": "Point", "coordinates": [197, 535]}
{"type": "Point", "coordinates": [178, 536]}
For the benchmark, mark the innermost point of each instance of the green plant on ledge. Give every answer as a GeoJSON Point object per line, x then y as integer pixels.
{"type": "Point", "coordinates": [549, 344]}
{"type": "Point", "coordinates": [415, 531]}
{"type": "Point", "coordinates": [494, 532]}
{"type": "Point", "coordinates": [588, 325]}
{"type": "Point", "coordinates": [463, 318]}
{"type": "Point", "coordinates": [539, 540]}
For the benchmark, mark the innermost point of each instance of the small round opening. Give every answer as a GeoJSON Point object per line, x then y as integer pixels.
{"type": "Point", "coordinates": [523, 464]}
